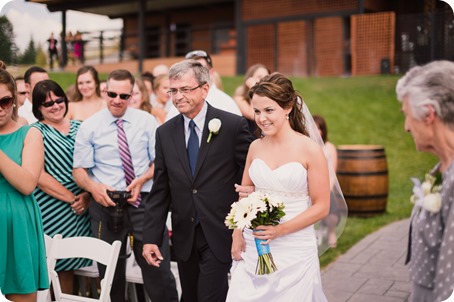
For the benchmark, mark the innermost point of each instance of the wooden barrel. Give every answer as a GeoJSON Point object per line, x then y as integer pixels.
{"type": "Point", "coordinates": [362, 172]}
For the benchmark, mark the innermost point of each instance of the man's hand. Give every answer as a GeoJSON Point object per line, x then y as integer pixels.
{"type": "Point", "coordinates": [152, 254]}
{"type": "Point", "coordinates": [135, 187]}
{"type": "Point", "coordinates": [99, 193]}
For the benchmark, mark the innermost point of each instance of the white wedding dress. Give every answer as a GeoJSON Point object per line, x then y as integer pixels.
{"type": "Point", "coordinates": [295, 255]}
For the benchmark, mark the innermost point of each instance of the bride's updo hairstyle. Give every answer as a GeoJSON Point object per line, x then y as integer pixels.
{"type": "Point", "coordinates": [280, 89]}
{"type": "Point", "coordinates": [7, 79]}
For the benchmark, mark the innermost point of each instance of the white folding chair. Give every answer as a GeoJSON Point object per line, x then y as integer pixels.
{"type": "Point", "coordinates": [44, 295]}
{"type": "Point", "coordinates": [91, 274]}
{"type": "Point", "coordinates": [84, 247]}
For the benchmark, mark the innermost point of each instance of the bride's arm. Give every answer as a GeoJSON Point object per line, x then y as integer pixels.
{"type": "Point", "coordinates": [319, 192]}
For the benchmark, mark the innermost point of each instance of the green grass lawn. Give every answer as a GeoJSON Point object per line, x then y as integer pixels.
{"type": "Point", "coordinates": [358, 110]}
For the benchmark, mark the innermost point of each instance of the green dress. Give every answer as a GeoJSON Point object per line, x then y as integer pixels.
{"type": "Point", "coordinates": [23, 268]}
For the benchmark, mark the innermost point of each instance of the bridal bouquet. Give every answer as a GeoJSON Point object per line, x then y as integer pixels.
{"type": "Point", "coordinates": [427, 194]}
{"type": "Point", "coordinates": [252, 211]}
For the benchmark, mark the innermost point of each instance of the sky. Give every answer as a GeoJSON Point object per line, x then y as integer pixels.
{"type": "Point", "coordinates": [34, 20]}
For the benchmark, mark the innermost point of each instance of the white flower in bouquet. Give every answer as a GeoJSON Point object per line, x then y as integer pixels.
{"type": "Point", "coordinates": [252, 211]}
{"type": "Point", "coordinates": [244, 214]}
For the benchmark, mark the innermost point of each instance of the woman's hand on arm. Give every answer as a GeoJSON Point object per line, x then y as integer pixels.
{"type": "Point", "coordinates": [244, 191]}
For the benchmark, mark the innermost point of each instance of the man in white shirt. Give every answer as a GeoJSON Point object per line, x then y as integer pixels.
{"type": "Point", "coordinates": [32, 76]}
{"type": "Point", "coordinates": [216, 97]}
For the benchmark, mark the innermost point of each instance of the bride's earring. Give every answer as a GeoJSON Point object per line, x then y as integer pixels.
{"type": "Point", "coordinates": [286, 116]}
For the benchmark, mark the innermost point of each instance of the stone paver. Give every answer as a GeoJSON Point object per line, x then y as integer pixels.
{"type": "Point", "coordinates": [373, 270]}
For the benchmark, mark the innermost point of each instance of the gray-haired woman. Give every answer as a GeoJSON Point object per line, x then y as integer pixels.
{"type": "Point", "coordinates": [427, 96]}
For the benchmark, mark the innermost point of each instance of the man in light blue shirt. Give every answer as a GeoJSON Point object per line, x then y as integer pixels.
{"type": "Point", "coordinates": [113, 160]}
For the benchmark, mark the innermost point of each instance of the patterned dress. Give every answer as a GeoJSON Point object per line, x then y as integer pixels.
{"type": "Point", "coordinates": [432, 247]}
{"type": "Point", "coordinates": [23, 267]}
{"type": "Point", "coordinates": [58, 217]}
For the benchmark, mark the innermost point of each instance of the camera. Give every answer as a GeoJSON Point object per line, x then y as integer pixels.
{"type": "Point", "coordinates": [119, 196]}
{"type": "Point", "coordinates": [116, 214]}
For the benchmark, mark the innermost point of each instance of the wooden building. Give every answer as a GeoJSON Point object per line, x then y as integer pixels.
{"type": "Point", "coordinates": [297, 37]}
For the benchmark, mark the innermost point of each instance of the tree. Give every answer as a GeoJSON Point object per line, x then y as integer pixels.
{"type": "Point", "coordinates": [41, 56]}
{"type": "Point", "coordinates": [7, 45]}
{"type": "Point", "coordinates": [29, 55]}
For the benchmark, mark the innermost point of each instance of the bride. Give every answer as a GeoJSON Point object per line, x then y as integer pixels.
{"type": "Point", "coordinates": [286, 163]}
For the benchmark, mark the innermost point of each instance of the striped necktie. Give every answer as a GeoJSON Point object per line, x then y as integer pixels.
{"type": "Point", "coordinates": [125, 156]}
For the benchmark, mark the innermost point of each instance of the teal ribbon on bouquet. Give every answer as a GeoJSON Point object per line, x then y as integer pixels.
{"type": "Point", "coordinates": [265, 263]}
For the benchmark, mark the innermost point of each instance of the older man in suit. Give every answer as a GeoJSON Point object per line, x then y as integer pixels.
{"type": "Point", "coordinates": [196, 167]}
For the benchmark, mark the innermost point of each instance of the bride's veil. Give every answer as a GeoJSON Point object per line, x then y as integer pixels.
{"type": "Point", "coordinates": [338, 206]}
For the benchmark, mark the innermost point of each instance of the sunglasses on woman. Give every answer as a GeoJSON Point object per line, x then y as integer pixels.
{"type": "Point", "coordinates": [6, 102]}
{"type": "Point", "coordinates": [51, 102]}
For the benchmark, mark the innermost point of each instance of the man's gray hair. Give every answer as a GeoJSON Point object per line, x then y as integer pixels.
{"type": "Point", "coordinates": [201, 73]}
{"type": "Point", "coordinates": [430, 84]}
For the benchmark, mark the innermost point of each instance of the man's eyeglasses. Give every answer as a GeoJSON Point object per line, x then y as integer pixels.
{"type": "Point", "coordinates": [6, 102]}
{"type": "Point", "coordinates": [199, 54]}
{"type": "Point", "coordinates": [51, 102]}
{"type": "Point", "coordinates": [123, 96]}
{"type": "Point", "coordinates": [184, 90]}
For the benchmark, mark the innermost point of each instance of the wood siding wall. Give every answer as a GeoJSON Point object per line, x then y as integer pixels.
{"type": "Point", "coordinates": [372, 40]}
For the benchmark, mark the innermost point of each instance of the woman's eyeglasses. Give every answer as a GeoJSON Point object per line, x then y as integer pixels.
{"type": "Point", "coordinates": [123, 96]}
{"type": "Point", "coordinates": [6, 102]}
{"type": "Point", "coordinates": [51, 102]}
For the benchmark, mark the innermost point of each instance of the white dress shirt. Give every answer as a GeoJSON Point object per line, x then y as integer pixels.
{"type": "Point", "coordinates": [26, 112]}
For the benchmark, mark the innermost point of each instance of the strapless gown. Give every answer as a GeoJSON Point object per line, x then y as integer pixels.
{"type": "Point", "coordinates": [295, 255]}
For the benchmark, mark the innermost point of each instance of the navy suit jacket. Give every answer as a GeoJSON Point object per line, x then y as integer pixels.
{"type": "Point", "coordinates": [209, 193]}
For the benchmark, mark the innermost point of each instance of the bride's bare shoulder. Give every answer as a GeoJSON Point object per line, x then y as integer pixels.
{"type": "Point", "coordinates": [306, 143]}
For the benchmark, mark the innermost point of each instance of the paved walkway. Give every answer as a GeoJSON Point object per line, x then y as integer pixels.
{"type": "Point", "coordinates": [373, 270]}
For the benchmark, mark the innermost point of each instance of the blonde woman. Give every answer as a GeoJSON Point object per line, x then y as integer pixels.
{"type": "Point", "coordinates": [160, 98]}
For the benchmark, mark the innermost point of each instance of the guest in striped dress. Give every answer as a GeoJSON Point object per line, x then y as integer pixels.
{"type": "Point", "coordinates": [63, 204]}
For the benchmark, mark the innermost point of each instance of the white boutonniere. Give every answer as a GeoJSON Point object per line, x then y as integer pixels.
{"type": "Point", "coordinates": [214, 125]}
{"type": "Point", "coordinates": [427, 194]}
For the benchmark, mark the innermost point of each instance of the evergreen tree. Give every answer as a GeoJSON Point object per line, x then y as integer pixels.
{"type": "Point", "coordinates": [41, 56]}
{"type": "Point", "coordinates": [7, 45]}
{"type": "Point", "coordinates": [29, 56]}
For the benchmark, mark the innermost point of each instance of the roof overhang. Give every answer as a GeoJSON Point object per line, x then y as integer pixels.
{"type": "Point", "coordinates": [121, 8]}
